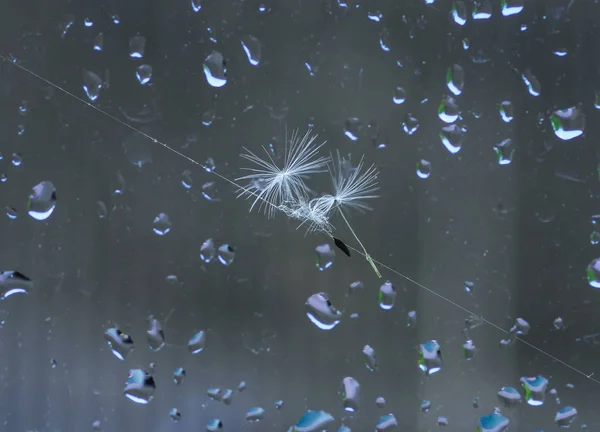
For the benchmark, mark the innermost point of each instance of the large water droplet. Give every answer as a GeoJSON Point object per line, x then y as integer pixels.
{"type": "Point", "coordinates": [494, 422]}
{"type": "Point", "coordinates": [155, 334]}
{"type": "Point", "coordinates": [455, 79]}
{"type": "Point", "coordinates": [13, 283]}
{"type": "Point", "coordinates": [215, 69]}
{"type": "Point", "coordinates": [255, 414]}
{"type": "Point", "coordinates": [387, 296]}
{"type": "Point", "coordinates": [139, 386]}
{"type": "Point", "coordinates": [430, 357]}
{"type": "Point", "coordinates": [568, 123]}
{"type": "Point", "coordinates": [565, 416]}
{"type": "Point", "coordinates": [386, 422]}
{"type": "Point", "coordinates": [423, 169]}
{"type": "Point", "coordinates": [321, 311]}
{"type": "Point", "coordinates": [509, 396]}
{"type": "Point", "coordinates": [399, 96]}
{"type": "Point", "coordinates": [350, 394]}
{"type": "Point", "coordinates": [196, 5]}
{"type": "Point", "coordinates": [313, 421]}
{"type": "Point", "coordinates": [451, 137]}
{"type": "Point", "coordinates": [197, 342]}
{"type": "Point", "coordinates": [162, 224]}
{"type": "Point", "coordinates": [507, 111]}
{"type": "Point", "coordinates": [226, 254]}
{"type": "Point", "coordinates": [137, 46]}
{"type": "Point", "coordinates": [214, 425]}
{"type": "Point", "coordinates": [448, 110]}
{"type": "Point", "coordinates": [178, 375]}
{"type": "Point", "coordinates": [512, 7]}
{"type": "Point", "coordinates": [119, 342]}
{"type": "Point", "coordinates": [42, 201]}
{"type": "Point", "coordinates": [92, 84]}
{"type": "Point", "coordinates": [535, 389]}
{"type": "Point", "coordinates": [207, 250]}
{"type": "Point", "coordinates": [325, 256]}
{"type": "Point", "coordinates": [505, 151]}
{"type": "Point", "coordinates": [370, 358]}
{"type": "Point", "coordinates": [144, 74]}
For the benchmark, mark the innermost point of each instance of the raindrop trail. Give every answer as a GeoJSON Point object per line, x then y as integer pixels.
{"type": "Point", "coordinates": [233, 183]}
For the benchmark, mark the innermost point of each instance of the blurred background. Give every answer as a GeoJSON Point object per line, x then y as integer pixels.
{"type": "Point", "coordinates": [480, 117]}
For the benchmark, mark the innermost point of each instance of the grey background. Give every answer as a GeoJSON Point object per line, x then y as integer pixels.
{"type": "Point", "coordinates": [519, 232]}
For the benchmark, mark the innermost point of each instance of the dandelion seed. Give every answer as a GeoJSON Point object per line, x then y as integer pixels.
{"type": "Point", "coordinates": [276, 185]}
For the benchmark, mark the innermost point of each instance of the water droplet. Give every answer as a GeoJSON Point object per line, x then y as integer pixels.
{"type": "Point", "coordinates": [92, 84]}
{"type": "Point", "coordinates": [370, 358]}
{"type": "Point", "coordinates": [411, 320]}
{"type": "Point", "coordinates": [210, 191]}
{"type": "Point", "coordinates": [380, 402]}
{"type": "Point", "coordinates": [227, 396]}
{"type": "Point", "coordinates": [242, 386]}
{"type": "Point", "coordinates": [162, 224]}
{"type": "Point", "coordinates": [196, 5]}
{"type": "Point", "coordinates": [568, 123]}
{"type": "Point", "coordinates": [209, 164]}
{"type": "Point", "coordinates": [226, 254]}
{"type": "Point", "coordinates": [98, 42]}
{"type": "Point", "coordinates": [214, 425]}
{"type": "Point", "coordinates": [321, 311]}
{"type": "Point", "coordinates": [512, 7]}
{"type": "Point", "coordinates": [352, 128]}
{"type": "Point", "coordinates": [325, 256]}
{"type": "Point", "coordinates": [387, 296]}
{"type": "Point", "coordinates": [207, 250]}
{"type": "Point", "coordinates": [350, 394]}
{"type": "Point", "coordinates": [178, 375]}
{"type": "Point", "coordinates": [156, 336]}
{"type": "Point", "coordinates": [507, 111]}
{"type": "Point", "coordinates": [386, 423]}
{"type": "Point", "coordinates": [451, 137]}
{"type": "Point", "coordinates": [535, 389]}
{"type": "Point", "coordinates": [313, 421]}
{"type": "Point", "coordinates": [468, 350]}
{"type": "Point", "coordinates": [448, 110]}
{"type": "Point", "coordinates": [255, 414]}
{"type": "Point", "coordinates": [208, 117]}
{"type": "Point", "coordinates": [253, 49]}
{"type": "Point", "coordinates": [175, 414]}
{"type": "Point", "coordinates": [410, 124]}
{"type": "Point", "coordinates": [399, 96]}
{"type": "Point", "coordinates": [533, 84]}
{"type": "Point", "coordinates": [101, 210]}
{"type": "Point", "coordinates": [14, 282]}
{"type": "Point", "coordinates": [565, 416]}
{"type": "Point", "coordinates": [137, 46]}
{"type": "Point", "coordinates": [214, 393]}
{"type": "Point", "coordinates": [215, 69]}
{"type": "Point", "coordinates": [430, 357]}
{"type": "Point", "coordinates": [509, 396]}
{"type": "Point", "coordinates": [197, 342]}
{"type": "Point", "coordinates": [42, 201]}
{"type": "Point", "coordinates": [423, 169]}
{"type": "Point", "coordinates": [11, 212]}
{"type": "Point", "coordinates": [494, 422]}
{"type": "Point", "coordinates": [505, 151]}
{"type": "Point", "coordinates": [115, 18]}
{"type": "Point", "coordinates": [24, 107]}
{"type": "Point", "coordinates": [455, 79]}
{"type": "Point", "coordinates": [593, 273]}
{"type": "Point", "coordinates": [278, 404]}
{"type": "Point", "coordinates": [459, 12]}
{"type": "Point", "coordinates": [140, 386]}
{"type": "Point", "coordinates": [186, 179]}
{"type": "Point", "coordinates": [119, 342]}
{"type": "Point", "coordinates": [144, 74]}
{"type": "Point", "coordinates": [97, 425]}
{"type": "Point", "coordinates": [425, 406]}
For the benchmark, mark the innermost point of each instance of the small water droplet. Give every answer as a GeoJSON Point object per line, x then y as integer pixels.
{"type": "Point", "coordinates": [215, 69]}
{"type": "Point", "coordinates": [42, 201]}
{"type": "Point", "coordinates": [162, 224]}
{"type": "Point", "coordinates": [144, 74]}
{"type": "Point", "coordinates": [137, 47]}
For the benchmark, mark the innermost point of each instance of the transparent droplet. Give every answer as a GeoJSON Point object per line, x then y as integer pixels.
{"type": "Point", "coordinates": [178, 375]}
{"type": "Point", "coordinates": [137, 46]}
{"type": "Point", "coordinates": [24, 107]}
{"type": "Point", "coordinates": [196, 5]}
{"type": "Point", "coordinates": [87, 22]}
{"type": "Point", "coordinates": [565, 416]}
{"type": "Point", "coordinates": [509, 396]}
{"type": "Point", "coordinates": [442, 421]}
{"type": "Point", "coordinates": [475, 402]}
{"type": "Point", "coordinates": [210, 191]}
{"type": "Point", "coordinates": [521, 327]}
{"type": "Point", "coordinates": [469, 286]}
{"type": "Point", "coordinates": [186, 179]}
{"type": "Point", "coordinates": [208, 117]}
{"type": "Point", "coordinates": [386, 422]}
{"type": "Point", "coordinates": [350, 394]}
{"type": "Point", "coordinates": [253, 49]}
{"type": "Point", "coordinates": [208, 250]}
{"type": "Point", "coordinates": [215, 69]}
{"type": "Point", "coordinates": [468, 350]}
{"type": "Point", "coordinates": [139, 386]}
{"type": "Point", "coordinates": [380, 402]}
{"type": "Point", "coordinates": [115, 18]}
{"type": "Point", "coordinates": [399, 96]}
{"type": "Point", "coordinates": [533, 84]}
{"type": "Point", "coordinates": [162, 224]}
{"type": "Point", "coordinates": [242, 386]}
{"type": "Point", "coordinates": [11, 212]}
{"type": "Point", "coordinates": [425, 406]}
{"type": "Point", "coordinates": [155, 335]}
{"type": "Point", "coordinates": [512, 7]}
{"type": "Point", "coordinates": [278, 404]}
{"type": "Point", "coordinates": [13, 283]}
{"type": "Point", "coordinates": [214, 425]}
{"type": "Point", "coordinates": [175, 414]}
{"type": "Point", "coordinates": [92, 84]}
{"type": "Point", "coordinates": [227, 396]}
{"type": "Point", "coordinates": [494, 422]}
{"type": "Point", "coordinates": [384, 39]}
{"type": "Point", "coordinates": [459, 12]}
{"type": "Point", "coordinates": [535, 389]}
{"type": "Point", "coordinates": [215, 393]}
{"type": "Point", "coordinates": [505, 151]}
{"type": "Point", "coordinates": [101, 210]}
{"type": "Point", "coordinates": [226, 254]}
{"type": "Point", "coordinates": [482, 10]}
{"type": "Point", "coordinates": [451, 137]}
{"type": "Point", "coordinates": [593, 273]}
{"type": "Point", "coordinates": [255, 414]}
{"type": "Point", "coordinates": [370, 358]}
{"type": "Point", "coordinates": [96, 425]}
{"type": "Point", "coordinates": [119, 342]}
{"type": "Point", "coordinates": [352, 128]}
{"type": "Point", "coordinates": [430, 357]}
{"type": "Point", "coordinates": [197, 342]}
{"type": "Point", "coordinates": [507, 111]}
{"type": "Point", "coordinates": [448, 110]}
{"type": "Point", "coordinates": [411, 320]}
{"type": "Point", "coordinates": [568, 123]}
{"type": "Point", "coordinates": [455, 79]}
{"type": "Point", "coordinates": [321, 312]}
{"type": "Point", "coordinates": [98, 42]}
{"type": "Point", "coordinates": [387, 296]}
{"type": "Point", "coordinates": [558, 323]}
{"type": "Point", "coordinates": [209, 164]}
{"type": "Point", "coordinates": [42, 201]}
{"type": "Point", "coordinates": [325, 256]}
{"type": "Point", "coordinates": [144, 74]}
{"type": "Point", "coordinates": [313, 421]}
{"type": "Point", "coordinates": [410, 124]}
